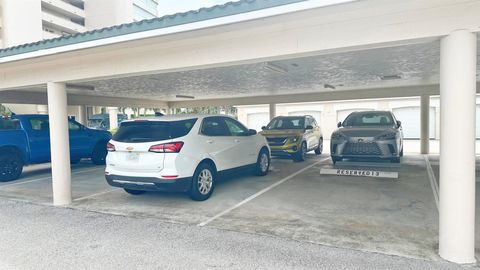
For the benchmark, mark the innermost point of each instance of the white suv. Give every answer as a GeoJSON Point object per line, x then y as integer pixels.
{"type": "Point", "coordinates": [182, 153]}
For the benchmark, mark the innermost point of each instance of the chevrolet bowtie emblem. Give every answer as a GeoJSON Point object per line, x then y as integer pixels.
{"type": "Point", "coordinates": [129, 148]}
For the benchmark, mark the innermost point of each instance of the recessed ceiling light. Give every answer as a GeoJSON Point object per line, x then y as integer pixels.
{"type": "Point", "coordinates": [390, 77]}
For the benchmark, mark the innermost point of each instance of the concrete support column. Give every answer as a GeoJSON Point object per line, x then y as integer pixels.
{"type": "Point", "coordinates": [42, 109]}
{"type": "Point", "coordinates": [59, 143]}
{"type": "Point", "coordinates": [82, 115]}
{"type": "Point", "coordinates": [458, 56]}
{"type": "Point", "coordinates": [113, 117]}
{"type": "Point", "coordinates": [425, 124]}
{"type": "Point", "coordinates": [272, 109]}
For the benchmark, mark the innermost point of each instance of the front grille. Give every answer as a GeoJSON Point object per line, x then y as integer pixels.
{"type": "Point", "coordinates": [276, 141]}
{"type": "Point", "coordinates": [367, 149]}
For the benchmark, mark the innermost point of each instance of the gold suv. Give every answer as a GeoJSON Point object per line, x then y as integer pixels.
{"type": "Point", "coordinates": [293, 136]}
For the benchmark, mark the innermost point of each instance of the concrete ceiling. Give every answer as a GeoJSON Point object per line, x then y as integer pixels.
{"type": "Point", "coordinates": [409, 65]}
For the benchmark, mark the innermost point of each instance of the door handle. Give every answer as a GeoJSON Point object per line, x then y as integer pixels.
{"type": "Point", "coordinates": [209, 141]}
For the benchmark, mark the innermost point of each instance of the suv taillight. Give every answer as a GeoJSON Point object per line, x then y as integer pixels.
{"type": "Point", "coordinates": [110, 147]}
{"type": "Point", "coordinates": [173, 147]}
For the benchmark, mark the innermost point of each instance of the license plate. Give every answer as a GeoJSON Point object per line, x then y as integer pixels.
{"type": "Point", "coordinates": [132, 157]}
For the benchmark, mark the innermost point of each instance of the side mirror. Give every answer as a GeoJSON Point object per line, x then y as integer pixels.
{"type": "Point", "coordinates": [264, 127]}
{"type": "Point", "coordinates": [309, 127]}
{"type": "Point", "coordinates": [251, 132]}
{"type": "Point", "coordinates": [399, 123]}
{"type": "Point", "coordinates": [339, 124]}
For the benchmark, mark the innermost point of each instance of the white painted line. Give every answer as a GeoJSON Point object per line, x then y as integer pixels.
{"type": "Point", "coordinates": [432, 178]}
{"type": "Point", "coordinates": [94, 195]}
{"type": "Point", "coordinates": [43, 178]}
{"type": "Point", "coordinates": [259, 193]}
{"type": "Point", "coordinates": [361, 173]}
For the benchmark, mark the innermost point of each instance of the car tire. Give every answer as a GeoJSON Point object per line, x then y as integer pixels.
{"type": "Point", "coordinates": [203, 182]}
{"type": "Point", "coordinates": [319, 149]}
{"type": "Point", "coordinates": [134, 191]}
{"type": "Point", "coordinates": [301, 154]}
{"type": "Point", "coordinates": [336, 159]}
{"type": "Point", "coordinates": [263, 163]}
{"type": "Point", "coordinates": [11, 166]}
{"type": "Point", "coordinates": [99, 154]}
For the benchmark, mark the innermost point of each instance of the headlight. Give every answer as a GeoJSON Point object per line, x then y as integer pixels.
{"type": "Point", "coordinates": [294, 139]}
{"type": "Point", "coordinates": [337, 136]}
{"type": "Point", "coordinates": [387, 136]}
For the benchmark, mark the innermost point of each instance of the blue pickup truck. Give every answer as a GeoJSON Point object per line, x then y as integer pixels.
{"type": "Point", "coordinates": [25, 139]}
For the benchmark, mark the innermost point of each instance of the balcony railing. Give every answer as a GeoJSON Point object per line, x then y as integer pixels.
{"type": "Point", "coordinates": [62, 24]}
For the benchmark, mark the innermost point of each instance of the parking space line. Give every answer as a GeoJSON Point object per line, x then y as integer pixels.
{"type": "Point", "coordinates": [95, 194]}
{"type": "Point", "coordinates": [432, 178]}
{"type": "Point", "coordinates": [228, 210]}
{"type": "Point", "coordinates": [43, 178]}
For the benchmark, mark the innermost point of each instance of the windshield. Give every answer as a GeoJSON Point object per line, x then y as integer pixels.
{"type": "Point", "coordinates": [369, 119]}
{"type": "Point", "coordinates": [151, 131]}
{"type": "Point", "coordinates": [287, 123]}
{"type": "Point", "coordinates": [95, 123]}
{"type": "Point", "coordinates": [8, 124]}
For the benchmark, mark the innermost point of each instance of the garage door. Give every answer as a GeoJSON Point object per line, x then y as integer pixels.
{"type": "Point", "coordinates": [258, 120]}
{"type": "Point", "coordinates": [342, 114]}
{"type": "Point", "coordinates": [316, 114]}
{"type": "Point", "coordinates": [410, 117]}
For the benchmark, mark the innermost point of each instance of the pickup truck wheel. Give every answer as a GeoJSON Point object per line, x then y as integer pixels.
{"type": "Point", "coordinates": [11, 166]}
{"type": "Point", "coordinates": [99, 153]}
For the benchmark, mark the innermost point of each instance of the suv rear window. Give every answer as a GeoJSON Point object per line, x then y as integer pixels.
{"type": "Point", "coordinates": [9, 124]}
{"type": "Point", "coordinates": [151, 131]}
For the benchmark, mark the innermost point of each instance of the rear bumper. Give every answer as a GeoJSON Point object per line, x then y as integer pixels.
{"type": "Point", "coordinates": [149, 183]}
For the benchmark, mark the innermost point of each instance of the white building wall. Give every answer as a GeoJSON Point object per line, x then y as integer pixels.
{"type": "Point", "coordinates": [21, 21]}
{"type": "Point", "coordinates": [105, 13]}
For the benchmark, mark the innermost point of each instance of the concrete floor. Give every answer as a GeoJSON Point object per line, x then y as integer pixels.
{"type": "Point", "coordinates": [391, 216]}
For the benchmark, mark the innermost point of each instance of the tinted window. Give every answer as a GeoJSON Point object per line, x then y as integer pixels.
{"type": "Point", "coordinates": [151, 131]}
{"type": "Point", "coordinates": [7, 124]}
{"type": "Point", "coordinates": [215, 126]}
{"type": "Point", "coordinates": [39, 124]}
{"type": "Point", "coordinates": [235, 128]}
{"type": "Point", "coordinates": [369, 119]}
{"type": "Point", "coordinates": [287, 123]}
{"type": "Point", "coordinates": [73, 126]}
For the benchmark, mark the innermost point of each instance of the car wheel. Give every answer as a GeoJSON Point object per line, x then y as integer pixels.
{"type": "Point", "coordinates": [99, 154]}
{"type": "Point", "coordinates": [134, 192]}
{"type": "Point", "coordinates": [203, 182]}
{"type": "Point", "coordinates": [263, 163]}
{"type": "Point", "coordinates": [11, 166]}
{"type": "Point", "coordinates": [302, 153]}
{"type": "Point", "coordinates": [319, 149]}
{"type": "Point", "coordinates": [336, 159]}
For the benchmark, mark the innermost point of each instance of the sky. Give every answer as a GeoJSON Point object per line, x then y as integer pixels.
{"type": "Point", "coordinates": [166, 7]}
